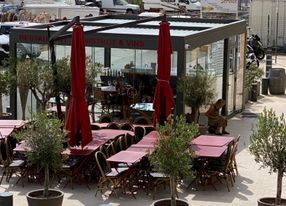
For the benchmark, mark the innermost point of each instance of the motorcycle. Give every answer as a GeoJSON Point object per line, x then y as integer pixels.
{"type": "Point", "coordinates": [251, 58]}
{"type": "Point", "coordinates": [256, 44]}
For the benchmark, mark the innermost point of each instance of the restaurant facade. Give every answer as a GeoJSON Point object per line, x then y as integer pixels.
{"type": "Point", "coordinates": [127, 46]}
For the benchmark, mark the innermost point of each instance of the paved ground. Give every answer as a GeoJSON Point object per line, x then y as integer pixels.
{"type": "Point", "coordinates": [251, 183]}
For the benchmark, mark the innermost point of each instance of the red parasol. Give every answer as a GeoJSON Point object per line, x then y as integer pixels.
{"type": "Point", "coordinates": [78, 122]}
{"type": "Point", "coordinates": [163, 98]}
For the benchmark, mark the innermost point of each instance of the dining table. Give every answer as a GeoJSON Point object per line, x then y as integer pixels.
{"type": "Point", "coordinates": [127, 156]}
{"type": "Point", "coordinates": [109, 134]}
{"type": "Point", "coordinates": [6, 131]}
{"type": "Point", "coordinates": [212, 140]}
{"type": "Point", "coordinates": [12, 123]}
{"type": "Point", "coordinates": [208, 151]}
{"type": "Point", "coordinates": [208, 148]}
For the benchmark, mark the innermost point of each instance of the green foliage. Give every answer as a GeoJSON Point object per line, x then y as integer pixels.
{"type": "Point", "coordinates": [39, 77]}
{"type": "Point", "coordinates": [198, 88]}
{"type": "Point", "coordinates": [268, 143]}
{"type": "Point", "coordinates": [253, 74]}
{"type": "Point", "coordinates": [7, 82]}
{"type": "Point", "coordinates": [63, 75]}
{"type": "Point", "coordinates": [45, 138]}
{"type": "Point", "coordinates": [172, 155]}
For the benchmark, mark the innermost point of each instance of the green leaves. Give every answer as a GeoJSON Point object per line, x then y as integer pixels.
{"type": "Point", "coordinates": [45, 138]}
{"type": "Point", "coordinates": [198, 88]}
{"type": "Point", "coordinates": [253, 73]}
{"type": "Point", "coordinates": [268, 142]}
{"type": "Point", "coordinates": [172, 155]}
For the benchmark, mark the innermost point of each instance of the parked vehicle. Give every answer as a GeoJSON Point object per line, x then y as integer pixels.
{"type": "Point", "coordinates": [9, 7]}
{"type": "Point", "coordinates": [190, 5]}
{"type": "Point", "coordinates": [60, 10]}
{"type": "Point", "coordinates": [120, 6]}
{"type": "Point", "coordinates": [32, 50]}
{"type": "Point", "coordinates": [251, 57]}
{"type": "Point", "coordinates": [172, 5]}
{"type": "Point", "coordinates": [256, 44]}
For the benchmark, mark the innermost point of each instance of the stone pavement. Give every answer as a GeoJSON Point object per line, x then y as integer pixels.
{"type": "Point", "coordinates": [251, 184]}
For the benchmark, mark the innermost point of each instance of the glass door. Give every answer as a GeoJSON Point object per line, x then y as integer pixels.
{"type": "Point", "coordinates": [231, 95]}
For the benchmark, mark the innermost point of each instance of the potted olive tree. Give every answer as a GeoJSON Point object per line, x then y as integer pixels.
{"type": "Point", "coordinates": [198, 90]}
{"type": "Point", "coordinates": [252, 83]}
{"type": "Point", "coordinates": [45, 137]}
{"type": "Point", "coordinates": [172, 155]}
{"type": "Point", "coordinates": [7, 83]}
{"type": "Point", "coordinates": [268, 145]}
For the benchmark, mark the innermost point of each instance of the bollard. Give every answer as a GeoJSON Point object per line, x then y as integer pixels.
{"type": "Point", "coordinates": [268, 61]}
{"type": "Point", "coordinates": [6, 198]}
{"type": "Point", "coordinates": [264, 87]}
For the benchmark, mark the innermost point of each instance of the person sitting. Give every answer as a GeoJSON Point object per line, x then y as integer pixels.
{"type": "Point", "coordinates": [216, 122]}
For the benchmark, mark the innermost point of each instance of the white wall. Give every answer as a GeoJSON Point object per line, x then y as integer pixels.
{"type": "Point", "coordinates": [258, 21]}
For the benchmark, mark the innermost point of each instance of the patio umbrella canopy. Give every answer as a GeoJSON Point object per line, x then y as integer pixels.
{"type": "Point", "coordinates": [163, 98]}
{"type": "Point", "coordinates": [78, 122]}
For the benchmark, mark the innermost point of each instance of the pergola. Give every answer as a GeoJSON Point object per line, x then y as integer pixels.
{"type": "Point", "coordinates": [141, 33]}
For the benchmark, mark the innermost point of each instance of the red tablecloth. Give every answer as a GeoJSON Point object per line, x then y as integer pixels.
{"type": "Point", "coordinates": [125, 156]}
{"type": "Point", "coordinates": [208, 151]}
{"type": "Point", "coordinates": [212, 140]}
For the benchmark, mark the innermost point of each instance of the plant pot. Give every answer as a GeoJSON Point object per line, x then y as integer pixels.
{"type": "Point", "coordinates": [167, 202]}
{"type": "Point", "coordinates": [203, 129]}
{"type": "Point", "coordinates": [6, 116]}
{"type": "Point", "coordinates": [35, 198]}
{"type": "Point", "coordinates": [269, 201]}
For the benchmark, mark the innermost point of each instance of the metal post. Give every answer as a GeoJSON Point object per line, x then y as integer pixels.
{"type": "Point", "coordinates": [53, 60]}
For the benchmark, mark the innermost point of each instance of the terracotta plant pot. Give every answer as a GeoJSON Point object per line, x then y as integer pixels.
{"type": "Point", "coordinates": [167, 202]}
{"type": "Point", "coordinates": [35, 198]}
{"type": "Point", "coordinates": [269, 201]}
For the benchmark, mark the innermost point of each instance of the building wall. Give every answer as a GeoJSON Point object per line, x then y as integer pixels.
{"type": "Point", "coordinates": [260, 12]}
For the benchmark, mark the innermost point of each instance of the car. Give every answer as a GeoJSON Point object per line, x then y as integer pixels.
{"type": "Point", "coordinates": [23, 49]}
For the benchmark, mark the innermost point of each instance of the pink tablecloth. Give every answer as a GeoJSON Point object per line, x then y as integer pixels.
{"type": "Point", "coordinates": [54, 109]}
{"type": "Point", "coordinates": [108, 134]}
{"type": "Point", "coordinates": [154, 134]}
{"type": "Point", "coordinates": [212, 140]}
{"type": "Point", "coordinates": [125, 156]}
{"type": "Point", "coordinates": [208, 151]}
{"type": "Point", "coordinates": [140, 148]}
{"type": "Point", "coordinates": [12, 123]}
{"type": "Point", "coordinates": [4, 132]}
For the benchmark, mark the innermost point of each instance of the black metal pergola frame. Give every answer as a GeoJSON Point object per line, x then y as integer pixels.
{"type": "Point", "coordinates": [204, 34]}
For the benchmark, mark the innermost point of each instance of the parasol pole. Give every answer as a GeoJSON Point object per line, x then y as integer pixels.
{"type": "Point", "coordinates": [52, 39]}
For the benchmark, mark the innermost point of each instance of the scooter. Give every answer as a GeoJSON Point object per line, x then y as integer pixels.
{"type": "Point", "coordinates": [251, 57]}
{"type": "Point", "coordinates": [256, 44]}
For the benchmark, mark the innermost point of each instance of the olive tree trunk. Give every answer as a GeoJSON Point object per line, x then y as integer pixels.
{"type": "Point", "coordinates": [46, 182]}
{"type": "Point", "coordinates": [1, 105]}
{"type": "Point", "coordinates": [279, 187]}
{"type": "Point", "coordinates": [173, 188]}
{"type": "Point", "coordinates": [195, 114]}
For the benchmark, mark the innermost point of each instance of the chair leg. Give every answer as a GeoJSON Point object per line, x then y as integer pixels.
{"type": "Point", "coordinates": [3, 174]}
